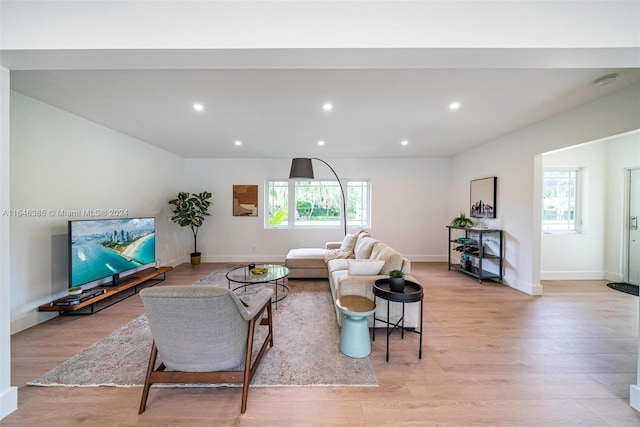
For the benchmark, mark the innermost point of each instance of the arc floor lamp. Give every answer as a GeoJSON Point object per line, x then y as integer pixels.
{"type": "Point", "coordinates": [302, 168]}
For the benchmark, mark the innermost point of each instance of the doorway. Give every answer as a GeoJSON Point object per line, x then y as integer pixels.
{"type": "Point", "coordinates": [633, 252]}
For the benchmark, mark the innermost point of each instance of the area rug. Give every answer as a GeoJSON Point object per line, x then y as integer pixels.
{"type": "Point", "coordinates": [625, 287]}
{"type": "Point", "coordinates": [305, 352]}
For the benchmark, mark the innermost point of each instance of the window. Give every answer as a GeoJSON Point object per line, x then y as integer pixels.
{"type": "Point", "coordinates": [560, 200]}
{"type": "Point", "coordinates": [316, 203]}
{"type": "Point", "coordinates": [277, 203]}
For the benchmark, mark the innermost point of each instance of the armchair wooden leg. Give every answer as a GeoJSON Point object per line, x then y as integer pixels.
{"type": "Point", "coordinates": [270, 320]}
{"type": "Point", "coordinates": [247, 365]}
{"type": "Point", "coordinates": [147, 381]}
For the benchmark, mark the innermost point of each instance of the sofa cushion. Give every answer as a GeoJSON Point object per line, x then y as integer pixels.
{"type": "Point", "coordinates": [306, 258]}
{"type": "Point", "coordinates": [392, 258]}
{"type": "Point", "coordinates": [337, 264]}
{"type": "Point", "coordinates": [364, 267]}
{"type": "Point", "coordinates": [364, 246]}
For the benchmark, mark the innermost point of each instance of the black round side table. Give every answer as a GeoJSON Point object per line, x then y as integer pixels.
{"type": "Point", "coordinates": [412, 292]}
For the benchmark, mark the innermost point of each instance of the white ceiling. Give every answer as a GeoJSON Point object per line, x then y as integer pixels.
{"type": "Point", "coordinates": [262, 70]}
{"type": "Point", "coordinates": [278, 112]}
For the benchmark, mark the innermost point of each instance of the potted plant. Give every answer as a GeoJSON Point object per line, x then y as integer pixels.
{"type": "Point", "coordinates": [75, 291]}
{"type": "Point", "coordinates": [396, 281]}
{"type": "Point", "coordinates": [461, 221]}
{"type": "Point", "coordinates": [190, 211]}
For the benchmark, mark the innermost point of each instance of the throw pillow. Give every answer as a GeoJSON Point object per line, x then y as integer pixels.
{"type": "Point", "coordinates": [392, 258]}
{"type": "Point", "coordinates": [365, 267]}
{"type": "Point", "coordinates": [364, 246]}
{"type": "Point", "coordinates": [348, 243]}
{"type": "Point", "coordinates": [350, 240]}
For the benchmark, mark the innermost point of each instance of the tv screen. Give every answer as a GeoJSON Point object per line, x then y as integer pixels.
{"type": "Point", "coordinates": [107, 247]}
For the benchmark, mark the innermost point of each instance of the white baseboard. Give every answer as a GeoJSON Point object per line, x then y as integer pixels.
{"type": "Point", "coordinates": [572, 275]}
{"type": "Point", "coordinates": [30, 319]}
{"type": "Point", "coordinates": [634, 397]}
{"type": "Point", "coordinates": [279, 259]}
{"type": "Point", "coordinates": [427, 258]}
{"type": "Point", "coordinates": [527, 288]}
{"type": "Point", "coordinates": [174, 262]}
{"type": "Point", "coordinates": [244, 259]}
{"type": "Point", "coordinates": [8, 401]}
{"type": "Point", "coordinates": [614, 277]}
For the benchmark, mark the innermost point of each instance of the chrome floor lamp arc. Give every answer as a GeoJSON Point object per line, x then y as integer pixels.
{"type": "Point", "coordinates": [301, 167]}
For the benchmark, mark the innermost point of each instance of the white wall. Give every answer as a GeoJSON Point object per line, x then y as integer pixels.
{"type": "Point", "coordinates": [623, 153]}
{"type": "Point", "coordinates": [596, 253]}
{"type": "Point", "coordinates": [512, 159]}
{"type": "Point", "coordinates": [579, 256]}
{"type": "Point", "coordinates": [409, 207]}
{"type": "Point", "coordinates": [63, 162]}
{"type": "Point", "coordinates": [8, 394]}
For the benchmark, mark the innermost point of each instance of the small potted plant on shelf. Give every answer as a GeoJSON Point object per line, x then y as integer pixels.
{"type": "Point", "coordinates": [75, 291]}
{"type": "Point", "coordinates": [461, 221]}
{"type": "Point", "coordinates": [190, 211]}
{"type": "Point", "coordinates": [396, 280]}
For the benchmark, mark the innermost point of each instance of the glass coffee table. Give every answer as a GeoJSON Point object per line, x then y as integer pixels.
{"type": "Point", "coordinates": [275, 277]}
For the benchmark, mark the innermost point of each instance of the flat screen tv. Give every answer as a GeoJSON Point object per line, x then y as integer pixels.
{"type": "Point", "coordinates": [108, 247]}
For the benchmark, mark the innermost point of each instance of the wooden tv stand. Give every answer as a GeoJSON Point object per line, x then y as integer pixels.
{"type": "Point", "coordinates": [131, 281]}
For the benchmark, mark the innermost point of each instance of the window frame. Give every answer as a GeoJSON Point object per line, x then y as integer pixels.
{"type": "Point", "coordinates": [291, 222]}
{"type": "Point", "coordinates": [577, 175]}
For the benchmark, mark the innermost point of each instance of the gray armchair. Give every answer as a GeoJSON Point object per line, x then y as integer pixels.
{"type": "Point", "coordinates": [203, 335]}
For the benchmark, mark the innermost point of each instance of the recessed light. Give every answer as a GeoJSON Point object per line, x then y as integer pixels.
{"type": "Point", "coordinates": [238, 143]}
{"type": "Point", "coordinates": [327, 107]}
{"type": "Point", "coordinates": [321, 142]}
{"type": "Point", "coordinates": [454, 105]}
{"type": "Point", "coordinates": [404, 142]}
{"type": "Point", "coordinates": [198, 107]}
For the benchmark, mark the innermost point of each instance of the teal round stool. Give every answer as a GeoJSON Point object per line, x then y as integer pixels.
{"type": "Point", "coordinates": [354, 335]}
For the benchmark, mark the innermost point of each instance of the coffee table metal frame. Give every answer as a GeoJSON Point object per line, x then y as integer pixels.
{"type": "Point", "coordinates": [277, 275]}
{"type": "Point", "coordinates": [413, 292]}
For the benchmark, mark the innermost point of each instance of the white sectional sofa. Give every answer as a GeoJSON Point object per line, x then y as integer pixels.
{"type": "Point", "coordinates": [351, 267]}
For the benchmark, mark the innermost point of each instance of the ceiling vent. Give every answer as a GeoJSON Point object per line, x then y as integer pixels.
{"type": "Point", "coordinates": [605, 80]}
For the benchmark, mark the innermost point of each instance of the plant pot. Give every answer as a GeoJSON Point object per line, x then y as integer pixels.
{"type": "Point", "coordinates": [396, 284]}
{"type": "Point", "coordinates": [75, 293]}
{"type": "Point", "coordinates": [195, 258]}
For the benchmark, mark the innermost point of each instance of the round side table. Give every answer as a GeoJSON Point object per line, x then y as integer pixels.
{"type": "Point", "coordinates": [412, 292]}
{"type": "Point", "coordinates": [354, 335]}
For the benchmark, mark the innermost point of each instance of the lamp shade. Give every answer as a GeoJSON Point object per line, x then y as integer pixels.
{"type": "Point", "coordinates": [301, 168]}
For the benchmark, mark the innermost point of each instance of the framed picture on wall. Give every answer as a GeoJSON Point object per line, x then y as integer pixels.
{"type": "Point", "coordinates": [245, 200]}
{"type": "Point", "coordinates": [483, 198]}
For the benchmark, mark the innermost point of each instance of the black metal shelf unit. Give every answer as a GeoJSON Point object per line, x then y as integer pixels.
{"type": "Point", "coordinates": [472, 243]}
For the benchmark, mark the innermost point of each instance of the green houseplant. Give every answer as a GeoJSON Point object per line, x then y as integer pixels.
{"type": "Point", "coordinates": [396, 280]}
{"type": "Point", "coordinates": [190, 211]}
{"type": "Point", "coordinates": [461, 221]}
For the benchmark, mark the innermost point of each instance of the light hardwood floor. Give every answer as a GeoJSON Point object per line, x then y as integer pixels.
{"type": "Point", "coordinates": [493, 356]}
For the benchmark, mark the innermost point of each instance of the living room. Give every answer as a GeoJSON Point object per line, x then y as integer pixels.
{"type": "Point", "coordinates": [59, 160]}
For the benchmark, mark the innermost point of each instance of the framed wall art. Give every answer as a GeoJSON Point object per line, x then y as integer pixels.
{"type": "Point", "coordinates": [245, 200]}
{"type": "Point", "coordinates": [483, 198]}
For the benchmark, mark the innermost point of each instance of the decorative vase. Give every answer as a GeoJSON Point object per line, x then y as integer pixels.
{"type": "Point", "coordinates": [396, 284]}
